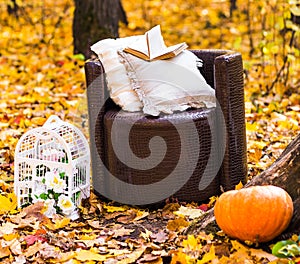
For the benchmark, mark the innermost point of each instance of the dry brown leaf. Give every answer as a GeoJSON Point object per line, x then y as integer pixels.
{"type": "Point", "coordinates": [7, 228]}
{"type": "Point", "coordinates": [131, 257]}
{"type": "Point", "coordinates": [14, 245]}
{"type": "Point", "coordinates": [35, 210]}
{"type": "Point", "coordinates": [190, 212]}
{"type": "Point", "coordinates": [94, 223]}
{"type": "Point", "coordinates": [149, 258]}
{"type": "Point", "coordinates": [128, 218]}
{"type": "Point", "coordinates": [64, 257]}
{"type": "Point", "coordinates": [121, 231]}
{"type": "Point", "coordinates": [32, 250]}
{"type": "Point", "coordinates": [4, 252]}
{"type": "Point", "coordinates": [168, 210]}
{"type": "Point", "coordinates": [159, 237]}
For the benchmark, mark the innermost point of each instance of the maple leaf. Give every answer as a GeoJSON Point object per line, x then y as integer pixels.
{"type": "Point", "coordinates": [191, 243]}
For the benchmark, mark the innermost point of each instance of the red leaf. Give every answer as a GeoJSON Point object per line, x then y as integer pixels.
{"type": "Point", "coordinates": [203, 207]}
{"type": "Point", "coordinates": [31, 239]}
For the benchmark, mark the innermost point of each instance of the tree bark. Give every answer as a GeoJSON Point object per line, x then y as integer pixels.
{"type": "Point", "coordinates": [233, 7]}
{"type": "Point", "coordinates": [284, 173]}
{"type": "Point", "coordinates": [95, 20]}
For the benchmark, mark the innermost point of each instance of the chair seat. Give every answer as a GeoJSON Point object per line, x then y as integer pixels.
{"type": "Point", "coordinates": [183, 157]}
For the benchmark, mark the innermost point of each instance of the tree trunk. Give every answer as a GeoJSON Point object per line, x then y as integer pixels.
{"type": "Point", "coordinates": [95, 20]}
{"type": "Point", "coordinates": [233, 7]}
{"type": "Point", "coordinates": [284, 173]}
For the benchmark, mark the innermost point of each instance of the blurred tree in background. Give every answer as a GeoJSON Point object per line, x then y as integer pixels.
{"type": "Point", "coordinates": [94, 20]}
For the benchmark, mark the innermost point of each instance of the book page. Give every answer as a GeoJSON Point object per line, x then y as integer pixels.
{"type": "Point", "coordinates": [156, 43]}
{"type": "Point", "coordinates": [178, 47]}
{"type": "Point", "coordinates": [151, 46]}
{"type": "Point", "coordinates": [140, 46]}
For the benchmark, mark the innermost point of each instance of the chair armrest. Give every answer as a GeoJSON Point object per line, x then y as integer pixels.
{"type": "Point", "coordinates": [96, 97]}
{"type": "Point", "coordinates": [229, 86]}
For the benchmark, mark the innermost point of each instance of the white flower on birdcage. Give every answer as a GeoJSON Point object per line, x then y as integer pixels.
{"type": "Point", "coordinates": [55, 180]}
{"type": "Point", "coordinates": [51, 192]}
{"type": "Point", "coordinates": [49, 209]}
{"type": "Point", "coordinates": [65, 204]}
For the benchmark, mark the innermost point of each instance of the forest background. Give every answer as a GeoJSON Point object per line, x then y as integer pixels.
{"type": "Point", "coordinates": [41, 76]}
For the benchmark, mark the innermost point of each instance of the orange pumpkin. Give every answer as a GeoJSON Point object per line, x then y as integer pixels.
{"type": "Point", "coordinates": [256, 214]}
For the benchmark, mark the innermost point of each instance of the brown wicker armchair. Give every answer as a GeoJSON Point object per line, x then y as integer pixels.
{"type": "Point", "coordinates": [218, 142]}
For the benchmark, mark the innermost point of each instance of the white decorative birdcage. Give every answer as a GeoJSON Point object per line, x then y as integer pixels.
{"type": "Point", "coordinates": [56, 148]}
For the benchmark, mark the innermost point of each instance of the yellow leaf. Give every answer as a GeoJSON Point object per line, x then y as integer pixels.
{"type": "Point", "coordinates": [88, 236]}
{"type": "Point", "coordinates": [39, 121]}
{"type": "Point", "coordinates": [179, 257]}
{"type": "Point", "coordinates": [146, 235]}
{"type": "Point", "coordinates": [238, 246]}
{"type": "Point", "coordinates": [251, 126]}
{"type": "Point", "coordinates": [177, 224]}
{"type": "Point", "coordinates": [111, 209]}
{"type": "Point", "coordinates": [212, 201]}
{"type": "Point", "coordinates": [191, 243]}
{"type": "Point", "coordinates": [61, 223]}
{"type": "Point", "coordinates": [87, 255]}
{"type": "Point", "coordinates": [239, 186]}
{"type": "Point", "coordinates": [9, 237]}
{"type": "Point", "coordinates": [208, 257]}
{"type": "Point", "coordinates": [8, 203]}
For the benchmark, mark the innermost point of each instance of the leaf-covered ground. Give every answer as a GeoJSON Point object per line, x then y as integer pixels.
{"type": "Point", "coordinates": [40, 76]}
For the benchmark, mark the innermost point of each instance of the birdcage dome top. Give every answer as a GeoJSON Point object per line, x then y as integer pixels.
{"type": "Point", "coordinates": [55, 141]}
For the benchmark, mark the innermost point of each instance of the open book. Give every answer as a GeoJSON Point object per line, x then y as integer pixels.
{"type": "Point", "coordinates": [151, 46]}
